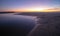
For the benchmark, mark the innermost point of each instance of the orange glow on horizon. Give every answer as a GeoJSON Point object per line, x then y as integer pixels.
{"type": "Point", "coordinates": [31, 10]}
{"type": "Point", "coordinates": [36, 9]}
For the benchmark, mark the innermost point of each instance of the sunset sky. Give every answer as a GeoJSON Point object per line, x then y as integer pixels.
{"type": "Point", "coordinates": [29, 5]}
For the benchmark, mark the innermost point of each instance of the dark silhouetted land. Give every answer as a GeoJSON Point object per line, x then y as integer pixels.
{"type": "Point", "coordinates": [6, 12]}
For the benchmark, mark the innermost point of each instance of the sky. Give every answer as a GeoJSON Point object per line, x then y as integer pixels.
{"type": "Point", "coordinates": [29, 5]}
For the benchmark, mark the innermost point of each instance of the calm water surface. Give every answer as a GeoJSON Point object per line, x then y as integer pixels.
{"type": "Point", "coordinates": [25, 23]}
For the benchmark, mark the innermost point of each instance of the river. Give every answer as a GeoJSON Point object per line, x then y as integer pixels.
{"type": "Point", "coordinates": [25, 23]}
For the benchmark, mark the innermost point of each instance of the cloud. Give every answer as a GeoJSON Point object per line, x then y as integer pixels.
{"type": "Point", "coordinates": [54, 9]}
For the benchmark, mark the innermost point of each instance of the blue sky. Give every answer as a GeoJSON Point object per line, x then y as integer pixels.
{"type": "Point", "coordinates": [12, 5]}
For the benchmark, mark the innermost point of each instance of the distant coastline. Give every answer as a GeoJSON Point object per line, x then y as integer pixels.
{"type": "Point", "coordinates": [6, 12]}
{"type": "Point", "coordinates": [36, 13]}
